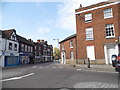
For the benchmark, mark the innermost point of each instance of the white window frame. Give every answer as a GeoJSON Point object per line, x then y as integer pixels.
{"type": "Point", "coordinates": [71, 43]}
{"type": "Point", "coordinates": [88, 17]}
{"type": "Point", "coordinates": [89, 34]}
{"type": "Point", "coordinates": [108, 13]}
{"type": "Point", "coordinates": [110, 30]}
{"type": "Point", "coordinates": [71, 55]}
{"type": "Point", "coordinates": [90, 52]}
{"type": "Point", "coordinates": [63, 47]}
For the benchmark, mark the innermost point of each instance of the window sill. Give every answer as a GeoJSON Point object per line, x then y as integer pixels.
{"type": "Point", "coordinates": [108, 17]}
{"type": "Point", "coordinates": [89, 39]}
{"type": "Point", "coordinates": [110, 37]}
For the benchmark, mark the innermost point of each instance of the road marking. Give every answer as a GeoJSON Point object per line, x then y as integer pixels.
{"type": "Point", "coordinates": [34, 67]}
{"type": "Point", "coordinates": [46, 67]}
{"type": "Point", "coordinates": [40, 67]}
{"type": "Point", "coordinates": [53, 67]}
{"type": "Point", "coordinates": [16, 78]}
{"type": "Point", "coordinates": [60, 67]}
{"type": "Point", "coordinates": [79, 69]}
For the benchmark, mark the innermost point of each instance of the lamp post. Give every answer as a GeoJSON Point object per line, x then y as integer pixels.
{"type": "Point", "coordinates": [57, 47]}
{"type": "Point", "coordinates": [57, 43]}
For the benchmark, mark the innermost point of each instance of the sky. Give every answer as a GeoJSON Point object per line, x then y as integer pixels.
{"type": "Point", "coordinates": [41, 19]}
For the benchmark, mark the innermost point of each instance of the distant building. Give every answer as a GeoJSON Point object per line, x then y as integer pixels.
{"type": "Point", "coordinates": [43, 51]}
{"type": "Point", "coordinates": [9, 47]}
{"type": "Point", "coordinates": [68, 50]}
{"type": "Point", "coordinates": [25, 50]}
{"type": "Point", "coordinates": [98, 32]}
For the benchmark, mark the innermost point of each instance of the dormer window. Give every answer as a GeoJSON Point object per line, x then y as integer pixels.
{"type": "Point", "coordinates": [13, 37]}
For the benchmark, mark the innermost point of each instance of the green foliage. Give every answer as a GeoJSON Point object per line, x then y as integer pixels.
{"type": "Point", "coordinates": [56, 52]}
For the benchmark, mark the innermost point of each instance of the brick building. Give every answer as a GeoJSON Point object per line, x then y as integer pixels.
{"type": "Point", "coordinates": [98, 32]}
{"type": "Point", "coordinates": [26, 54]}
{"type": "Point", "coordinates": [43, 51]}
{"type": "Point", "coordinates": [68, 50]}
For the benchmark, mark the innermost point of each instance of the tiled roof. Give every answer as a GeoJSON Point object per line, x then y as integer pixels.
{"type": "Point", "coordinates": [24, 40]}
{"type": "Point", "coordinates": [69, 37]}
{"type": "Point", "coordinates": [7, 33]}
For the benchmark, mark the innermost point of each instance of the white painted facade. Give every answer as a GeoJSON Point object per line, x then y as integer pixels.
{"type": "Point", "coordinates": [4, 49]}
{"type": "Point", "coordinates": [110, 50]}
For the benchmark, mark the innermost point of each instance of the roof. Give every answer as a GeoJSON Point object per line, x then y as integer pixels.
{"type": "Point", "coordinates": [68, 38]}
{"type": "Point", "coordinates": [7, 33]}
{"type": "Point", "coordinates": [24, 40]}
{"type": "Point", "coordinates": [94, 5]}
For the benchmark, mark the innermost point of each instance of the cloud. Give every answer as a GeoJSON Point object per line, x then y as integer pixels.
{"type": "Point", "coordinates": [43, 30]}
{"type": "Point", "coordinates": [66, 13]}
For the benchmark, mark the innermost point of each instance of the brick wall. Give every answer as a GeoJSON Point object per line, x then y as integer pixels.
{"type": "Point", "coordinates": [98, 24]}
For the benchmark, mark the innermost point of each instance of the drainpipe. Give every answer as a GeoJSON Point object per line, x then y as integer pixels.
{"type": "Point", "coordinates": [76, 49]}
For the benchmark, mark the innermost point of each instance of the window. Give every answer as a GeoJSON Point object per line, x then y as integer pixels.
{"type": "Point", "coordinates": [28, 48]}
{"type": "Point", "coordinates": [62, 46]}
{"type": "Point", "coordinates": [71, 43]}
{"type": "Point", "coordinates": [15, 47]}
{"type": "Point", "coordinates": [108, 13]}
{"type": "Point", "coordinates": [90, 52]}
{"type": "Point", "coordinates": [110, 31]}
{"type": "Point", "coordinates": [25, 47]}
{"type": "Point", "coordinates": [10, 46]}
{"type": "Point", "coordinates": [88, 17]}
{"type": "Point", "coordinates": [71, 55]}
{"type": "Point", "coordinates": [22, 47]}
{"type": "Point", "coordinates": [89, 33]}
{"type": "Point", "coordinates": [31, 49]}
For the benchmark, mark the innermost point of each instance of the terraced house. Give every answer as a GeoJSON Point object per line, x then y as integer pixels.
{"type": "Point", "coordinates": [9, 47]}
{"type": "Point", "coordinates": [98, 32]}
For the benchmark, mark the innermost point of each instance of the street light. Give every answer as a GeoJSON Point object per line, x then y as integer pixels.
{"type": "Point", "coordinates": [57, 47]}
{"type": "Point", "coordinates": [57, 42]}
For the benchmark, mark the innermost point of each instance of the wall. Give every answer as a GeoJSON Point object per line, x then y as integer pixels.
{"type": "Point", "coordinates": [98, 23]}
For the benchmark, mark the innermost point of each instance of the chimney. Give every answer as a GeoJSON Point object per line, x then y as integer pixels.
{"type": "Point", "coordinates": [30, 40]}
{"type": "Point", "coordinates": [42, 40]}
{"type": "Point", "coordinates": [80, 6]}
{"type": "Point", "coordinates": [38, 41]}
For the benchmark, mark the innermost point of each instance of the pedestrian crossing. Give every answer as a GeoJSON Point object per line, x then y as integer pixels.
{"type": "Point", "coordinates": [47, 67]}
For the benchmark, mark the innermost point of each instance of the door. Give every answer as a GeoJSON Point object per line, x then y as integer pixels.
{"type": "Point", "coordinates": [63, 57]}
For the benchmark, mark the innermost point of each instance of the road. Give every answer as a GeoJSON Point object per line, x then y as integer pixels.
{"type": "Point", "coordinates": [53, 75]}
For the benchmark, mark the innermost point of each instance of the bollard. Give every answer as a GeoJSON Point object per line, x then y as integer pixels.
{"type": "Point", "coordinates": [88, 63]}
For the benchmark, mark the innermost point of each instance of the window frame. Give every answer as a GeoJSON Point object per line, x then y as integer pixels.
{"type": "Point", "coordinates": [113, 36]}
{"type": "Point", "coordinates": [108, 14]}
{"type": "Point", "coordinates": [88, 18]}
{"type": "Point", "coordinates": [91, 35]}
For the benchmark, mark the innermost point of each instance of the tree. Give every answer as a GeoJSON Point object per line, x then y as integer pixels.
{"type": "Point", "coordinates": [56, 53]}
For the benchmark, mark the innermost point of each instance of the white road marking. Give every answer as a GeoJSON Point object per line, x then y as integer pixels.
{"type": "Point", "coordinates": [46, 67]}
{"type": "Point", "coordinates": [60, 67]}
{"type": "Point", "coordinates": [79, 69]}
{"type": "Point", "coordinates": [16, 78]}
{"type": "Point", "coordinates": [34, 67]}
{"type": "Point", "coordinates": [40, 67]}
{"type": "Point", "coordinates": [53, 67]}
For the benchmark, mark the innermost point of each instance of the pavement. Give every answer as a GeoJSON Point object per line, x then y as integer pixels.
{"type": "Point", "coordinates": [98, 68]}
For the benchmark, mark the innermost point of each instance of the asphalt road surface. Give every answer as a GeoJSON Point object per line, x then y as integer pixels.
{"type": "Point", "coordinates": [51, 75]}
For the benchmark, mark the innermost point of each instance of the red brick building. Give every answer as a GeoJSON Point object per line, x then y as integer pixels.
{"type": "Point", "coordinates": [98, 32]}
{"type": "Point", "coordinates": [68, 50]}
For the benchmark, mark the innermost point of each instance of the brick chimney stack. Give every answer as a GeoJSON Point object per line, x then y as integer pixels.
{"type": "Point", "coordinates": [38, 41]}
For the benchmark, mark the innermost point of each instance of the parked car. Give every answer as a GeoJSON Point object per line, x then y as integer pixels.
{"type": "Point", "coordinates": [116, 62]}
